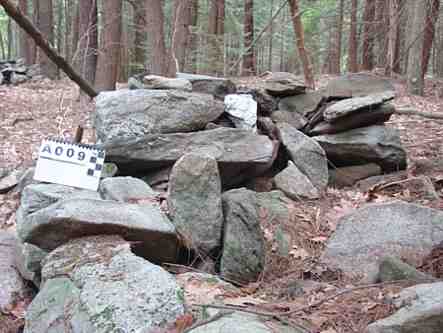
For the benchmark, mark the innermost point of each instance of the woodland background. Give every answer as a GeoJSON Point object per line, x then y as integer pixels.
{"type": "Point", "coordinates": [108, 41]}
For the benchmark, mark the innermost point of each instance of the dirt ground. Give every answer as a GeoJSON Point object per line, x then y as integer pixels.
{"type": "Point", "coordinates": [36, 110]}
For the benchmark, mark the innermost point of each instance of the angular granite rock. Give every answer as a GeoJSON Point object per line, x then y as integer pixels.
{"type": "Point", "coordinates": [55, 225]}
{"type": "Point", "coordinates": [125, 189]}
{"type": "Point", "coordinates": [292, 118]}
{"type": "Point", "coordinates": [160, 82]}
{"type": "Point", "coordinates": [306, 153]}
{"type": "Point", "coordinates": [135, 113]}
{"type": "Point", "coordinates": [295, 184]}
{"type": "Point", "coordinates": [242, 110]}
{"type": "Point", "coordinates": [303, 104]}
{"type": "Point", "coordinates": [96, 285]}
{"type": "Point", "coordinates": [194, 201]}
{"type": "Point", "coordinates": [216, 86]}
{"type": "Point", "coordinates": [373, 144]}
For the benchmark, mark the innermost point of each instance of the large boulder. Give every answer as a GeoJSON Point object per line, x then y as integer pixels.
{"type": "Point", "coordinates": [95, 284]}
{"type": "Point", "coordinates": [239, 153]}
{"type": "Point", "coordinates": [28, 260]}
{"type": "Point", "coordinates": [368, 117]}
{"type": "Point", "coordinates": [302, 104]}
{"type": "Point", "coordinates": [420, 311]}
{"type": "Point", "coordinates": [394, 229]}
{"type": "Point", "coordinates": [12, 287]}
{"type": "Point", "coordinates": [135, 113]}
{"type": "Point", "coordinates": [356, 105]}
{"type": "Point", "coordinates": [295, 184]}
{"type": "Point", "coordinates": [194, 201]}
{"type": "Point", "coordinates": [306, 153]}
{"type": "Point", "coordinates": [358, 84]}
{"type": "Point", "coordinates": [373, 144]}
{"type": "Point", "coordinates": [125, 189]}
{"type": "Point", "coordinates": [218, 87]}
{"type": "Point", "coordinates": [243, 256]}
{"type": "Point", "coordinates": [55, 225]}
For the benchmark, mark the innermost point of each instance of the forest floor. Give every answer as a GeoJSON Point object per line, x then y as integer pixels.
{"type": "Point", "coordinates": [35, 110]}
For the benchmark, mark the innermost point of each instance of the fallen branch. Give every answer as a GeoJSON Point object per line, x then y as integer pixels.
{"type": "Point", "coordinates": [413, 112]}
{"type": "Point", "coordinates": [24, 23]}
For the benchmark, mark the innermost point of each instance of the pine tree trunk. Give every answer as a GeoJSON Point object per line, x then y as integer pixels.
{"type": "Point", "coordinates": [433, 10]}
{"type": "Point", "coordinates": [181, 33]}
{"type": "Point", "coordinates": [25, 41]}
{"type": "Point", "coordinates": [139, 34]}
{"type": "Point", "coordinates": [271, 36]}
{"type": "Point", "coordinates": [216, 31]}
{"type": "Point", "coordinates": [368, 35]}
{"type": "Point", "coordinates": [392, 36]}
{"type": "Point", "coordinates": [381, 32]}
{"type": "Point", "coordinates": [249, 61]}
{"type": "Point", "coordinates": [334, 57]}
{"type": "Point", "coordinates": [160, 62]}
{"type": "Point", "coordinates": [109, 54]}
{"type": "Point", "coordinates": [192, 57]}
{"type": "Point", "coordinates": [415, 83]}
{"type": "Point", "coordinates": [300, 41]}
{"type": "Point", "coordinates": [353, 45]}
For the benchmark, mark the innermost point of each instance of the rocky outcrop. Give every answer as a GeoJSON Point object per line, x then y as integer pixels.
{"type": "Point", "coordinates": [395, 229]}
{"type": "Point", "coordinates": [128, 114]}
{"type": "Point", "coordinates": [95, 284]}
{"type": "Point", "coordinates": [194, 202]}
{"type": "Point", "coordinates": [374, 144]}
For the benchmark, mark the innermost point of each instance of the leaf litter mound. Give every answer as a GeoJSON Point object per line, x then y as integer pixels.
{"type": "Point", "coordinates": [330, 303]}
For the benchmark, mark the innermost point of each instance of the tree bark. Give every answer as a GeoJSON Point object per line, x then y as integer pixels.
{"type": "Point", "coordinates": [38, 38]}
{"type": "Point", "coordinates": [139, 34]}
{"type": "Point", "coordinates": [25, 41]}
{"type": "Point", "coordinates": [216, 31]}
{"type": "Point", "coordinates": [334, 57]}
{"type": "Point", "coordinates": [45, 25]}
{"type": "Point", "coordinates": [381, 32]}
{"type": "Point", "coordinates": [415, 82]}
{"type": "Point", "coordinates": [160, 62]}
{"type": "Point", "coordinates": [109, 53]}
{"type": "Point", "coordinates": [368, 35]}
{"type": "Point", "coordinates": [392, 36]}
{"type": "Point", "coordinates": [433, 10]}
{"type": "Point", "coordinates": [353, 45]}
{"type": "Point", "coordinates": [249, 61]}
{"type": "Point", "coordinates": [86, 63]}
{"type": "Point", "coordinates": [300, 41]}
{"type": "Point", "coordinates": [182, 23]}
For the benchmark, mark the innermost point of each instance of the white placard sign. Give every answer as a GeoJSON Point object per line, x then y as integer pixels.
{"type": "Point", "coordinates": [71, 164]}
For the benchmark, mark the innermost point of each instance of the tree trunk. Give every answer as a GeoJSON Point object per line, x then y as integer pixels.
{"type": "Point", "coordinates": [249, 64]}
{"type": "Point", "coordinates": [181, 34]}
{"type": "Point", "coordinates": [45, 25]}
{"type": "Point", "coordinates": [271, 36]}
{"type": "Point", "coordinates": [415, 81]}
{"type": "Point", "coordinates": [160, 62]}
{"type": "Point", "coordinates": [25, 41]}
{"type": "Point", "coordinates": [433, 10]}
{"type": "Point", "coordinates": [216, 31]}
{"type": "Point", "coordinates": [109, 54]}
{"type": "Point", "coordinates": [368, 35]}
{"type": "Point", "coordinates": [334, 57]}
{"type": "Point", "coordinates": [140, 34]}
{"type": "Point", "coordinates": [86, 60]}
{"type": "Point", "coordinates": [381, 32]}
{"type": "Point", "coordinates": [353, 44]}
{"type": "Point", "coordinates": [192, 57]}
{"type": "Point", "coordinates": [392, 36]}
{"type": "Point", "coordinates": [300, 41]}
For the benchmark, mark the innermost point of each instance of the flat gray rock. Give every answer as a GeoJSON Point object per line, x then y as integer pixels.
{"type": "Point", "coordinates": [421, 311]}
{"type": "Point", "coordinates": [55, 225]}
{"type": "Point", "coordinates": [38, 196]}
{"type": "Point", "coordinates": [160, 82]}
{"type": "Point", "coordinates": [373, 144]}
{"type": "Point", "coordinates": [125, 189]}
{"type": "Point", "coordinates": [136, 113]}
{"type": "Point", "coordinates": [194, 201]}
{"type": "Point", "coordinates": [243, 256]}
{"type": "Point", "coordinates": [394, 229]}
{"type": "Point", "coordinates": [12, 287]}
{"type": "Point", "coordinates": [95, 284]}
{"type": "Point", "coordinates": [306, 153]}
{"type": "Point", "coordinates": [348, 176]}
{"type": "Point", "coordinates": [9, 180]}
{"type": "Point", "coordinates": [239, 152]}
{"type": "Point", "coordinates": [363, 118]}
{"type": "Point", "coordinates": [358, 84]}
{"type": "Point", "coordinates": [302, 104]}
{"type": "Point", "coordinates": [218, 87]}
{"type": "Point", "coordinates": [295, 184]}
{"type": "Point", "coordinates": [282, 84]}
{"type": "Point", "coordinates": [356, 105]}
{"type": "Point", "coordinates": [394, 269]}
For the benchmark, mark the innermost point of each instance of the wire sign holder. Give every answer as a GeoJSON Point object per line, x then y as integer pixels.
{"type": "Point", "coordinates": [71, 164]}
